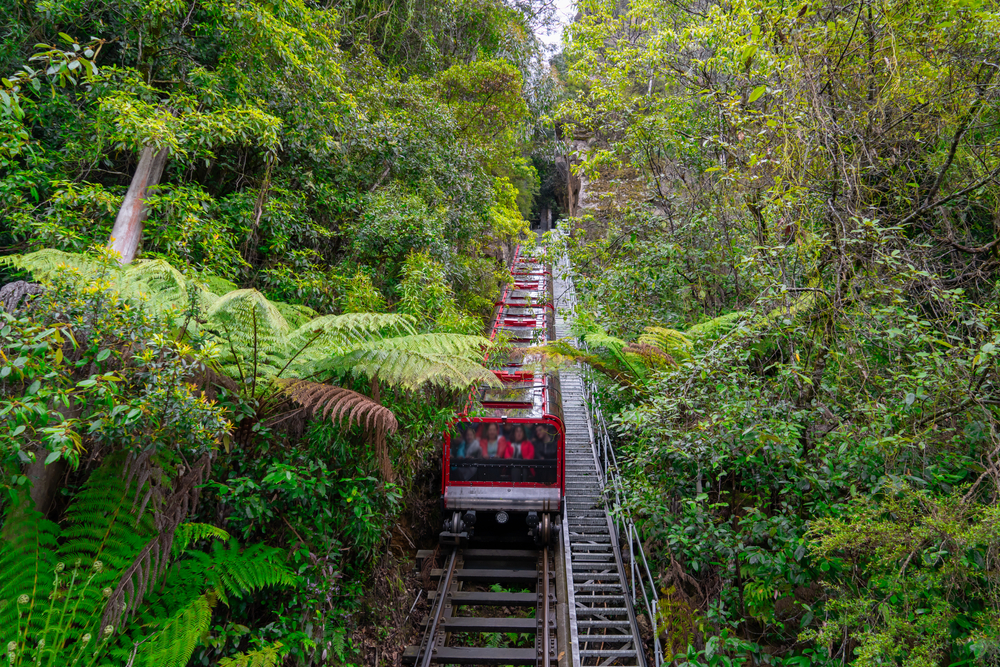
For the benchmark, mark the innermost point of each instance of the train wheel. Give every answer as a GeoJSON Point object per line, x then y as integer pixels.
{"type": "Point", "coordinates": [544, 531]}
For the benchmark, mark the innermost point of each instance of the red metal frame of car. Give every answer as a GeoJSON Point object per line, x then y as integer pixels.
{"type": "Point", "coordinates": [525, 398]}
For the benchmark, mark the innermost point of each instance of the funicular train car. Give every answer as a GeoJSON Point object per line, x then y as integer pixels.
{"type": "Point", "coordinates": [504, 459]}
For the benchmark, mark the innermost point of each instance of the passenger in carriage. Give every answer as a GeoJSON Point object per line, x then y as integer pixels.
{"type": "Point", "coordinates": [494, 445]}
{"type": "Point", "coordinates": [547, 449]}
{"type": "Point", "coordinates": [546, 446]}
{"type": "Point", "coordinates": [466, 447]}
{"type": "Point", "coordinates": [520, 448]}
{"type": "Point", "coordinates": [470, 444]}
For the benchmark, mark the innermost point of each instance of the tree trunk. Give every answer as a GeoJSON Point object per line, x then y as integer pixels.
{"type": "Point", "coordinates": [45, 480]}
{"type": "Point", "coordinates": [127, 232]}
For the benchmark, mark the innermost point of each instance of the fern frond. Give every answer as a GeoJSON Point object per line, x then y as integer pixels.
{"type": "Point", "coordinates": [232, 571]}
{"type": "Point", "coordinates": [715, 328]}
{"type": "Point", "coordinates": [335, 334]}
{"type": "Point", "coordinates": [561, 353]}
{"type": "Point", "coordinates": [159, 286]}
{"type": "Point", "coordinates": [189, 533]}
{"type": "Point", "coordinates": [265, 656]}
{"type": "Point", "coordinates": [47, 263]}
{"type": "Point", "coordinates": [27, 560]}
{"type": "Point", "coordinates": [176, 640]}
{"type": "Point", "coordinates": [172, 502]}
{"type": "Point", "coordinates": [616, 355]}
{"type": "Point", "coordinates": [339, 404]}
{"type": "Point", "coordinates": [411, 369]}
{"type": "Point", "coordinates": [99, 527]}
{"type": "Point", "coordinates": [650, 355]}
{"type": "Point", "coordinates": [602, 339]}
{"type": "Point", "coordinates": [670, 341]}
{"type": "Point", "coordinates": [295, 314]}
{"type": "Point", "coordinates": [458, 345]}
{"type": "Point", "coordinates": [251, 321]}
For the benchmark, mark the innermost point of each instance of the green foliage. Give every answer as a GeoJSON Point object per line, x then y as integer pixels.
{"type": "Point", "coordinates": [444, 360]}
{"type": "Point", "coordinates": [258, 344]}
{"type": "Point", "coordinates": [267, 656]}
{"type": "Point", "coordinates": [56, 613]}
{"type": "Point", "coordinates": [313, 151]}
{"type": "Point", "coordinates": [120, 381]}
{"type": "Point", "coordinates": [928, 567]}
{"type": "Point", "coordinates": [75, 214]}
{"type": "Point", "coordinates": [674, 343]}
{"type": "Point", "coordinates": [130, 120]}
{"type": "Point", "coordinates": [395, 224]}
{"type": "Point", "coordinates": [426, 295]}
{"type": "Point", "coordinates": [361, 295]}
{"type": "Point", "coordinates": [711, 330]}
{"type": "Point", "coordinates": [802, 194]}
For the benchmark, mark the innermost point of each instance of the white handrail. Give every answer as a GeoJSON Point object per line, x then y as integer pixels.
{"type": "Point", "coordinates": [640, 584]}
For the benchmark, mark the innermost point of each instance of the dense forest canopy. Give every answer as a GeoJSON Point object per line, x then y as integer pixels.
{"type": "Point", "coordinates": [810, 193]}
{"type": "Point", "coordinates": [211, 428]}
{"type": "Point", "coordinates": [251, 247]}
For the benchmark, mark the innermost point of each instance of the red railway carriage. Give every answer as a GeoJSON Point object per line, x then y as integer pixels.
{"type": "Point", "coordinates": [504, 455]}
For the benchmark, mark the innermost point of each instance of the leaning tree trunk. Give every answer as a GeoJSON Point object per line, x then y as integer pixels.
{"type": "Point", "coordinates": [127, 232]}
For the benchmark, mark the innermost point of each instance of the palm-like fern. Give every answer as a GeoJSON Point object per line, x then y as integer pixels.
{"type": "Point", "coordinates": [670, 341]}
{"type": "Point", "coordinates": [444, 360]}
{"type": "Point", "coordinates": [627, 363]}
{"type": "Point", "coordinates": [261, 348]}
{"type": "Point", "coordinates": [54, 596]}
{"type": "Point", "coordinates": [340, 404]}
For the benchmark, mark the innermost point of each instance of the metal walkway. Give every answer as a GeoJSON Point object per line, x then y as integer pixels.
{"type": "Point", "coordinates": [603, 625]}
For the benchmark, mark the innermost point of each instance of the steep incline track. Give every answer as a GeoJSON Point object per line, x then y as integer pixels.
{"type": "Point", "coordinates": [602, 616]}
{"type": "Point", "coordinates": [464, 608]}
{"type": "Point", "coordinates": [583, 608]}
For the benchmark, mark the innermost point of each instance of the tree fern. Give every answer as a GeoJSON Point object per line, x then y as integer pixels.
{"type": "Point", "coordinates": [339, 404]}
{"type": "Point", "coordinates": [411, 369]}
{"type": "Point", "coordinates": [670, 341]}
{"type": "Point", "coordinates": [259, 345]}
{"type": "Point", "coordinates": [57, 596]}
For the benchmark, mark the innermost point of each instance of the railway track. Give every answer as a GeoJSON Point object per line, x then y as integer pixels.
{"type": "Point", "coordinates": [483, 592]}
{"type": "Point", "coordinates": [585, 598]}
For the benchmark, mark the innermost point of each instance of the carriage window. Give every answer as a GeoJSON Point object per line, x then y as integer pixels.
{"type": "Point", "coordinates": [512, 452]}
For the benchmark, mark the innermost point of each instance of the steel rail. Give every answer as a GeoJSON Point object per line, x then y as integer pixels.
{"type": "Point", "coordinates": [545, 607]}
{"type": "Point", "coordinates": [490, 565]}
{"type": "Point", "coordinates": [443, 586]}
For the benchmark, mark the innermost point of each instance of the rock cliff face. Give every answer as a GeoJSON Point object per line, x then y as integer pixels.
{"type": "Point", "coordinates": [598, 198]}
